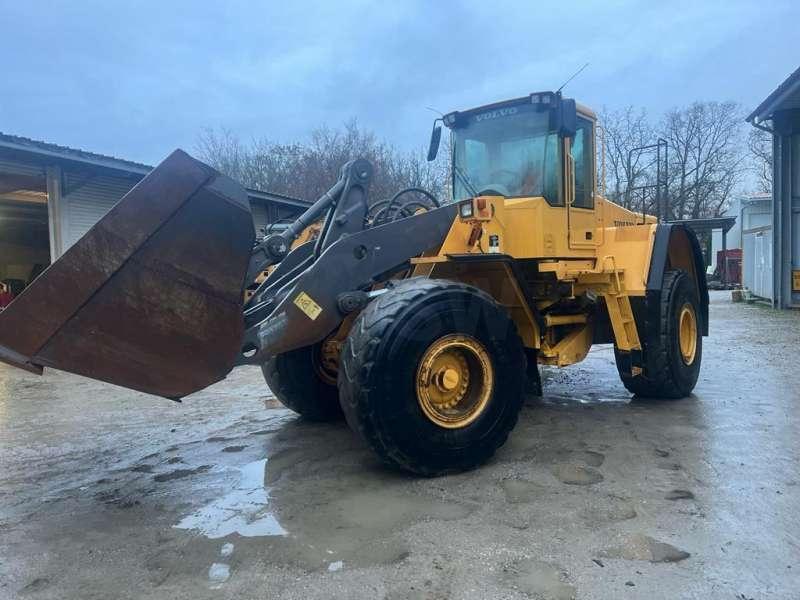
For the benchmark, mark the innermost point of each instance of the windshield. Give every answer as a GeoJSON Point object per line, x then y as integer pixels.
{"type": "Point", "coordinates": [508, 151]}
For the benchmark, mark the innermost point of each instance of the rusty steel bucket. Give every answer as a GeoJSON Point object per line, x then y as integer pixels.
{"type": "Point", "coordinates": [151, 297]}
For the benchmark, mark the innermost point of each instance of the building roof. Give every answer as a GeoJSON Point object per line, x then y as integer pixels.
{"type": "Point", "coordinates": [786, 95]}
{"type": "Point", "coordinates": [46, 149]}
{"type": "Point", "coordinates": [707, 224]}
{"type": "Point", "coordinates": [23, 144]}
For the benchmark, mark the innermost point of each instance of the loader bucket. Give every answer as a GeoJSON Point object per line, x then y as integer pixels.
{"type": "Point", "coordinates": [151, 297]}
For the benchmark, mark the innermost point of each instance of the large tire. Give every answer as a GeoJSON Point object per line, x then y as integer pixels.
{"type": "Point", "coordinates": [380, 368]}
{"type": "Point", "coordinates": [294, 379]}
{"type": "Point", "coordinates": [667, 374]}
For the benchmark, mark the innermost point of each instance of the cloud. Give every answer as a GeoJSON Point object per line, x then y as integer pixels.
{"type": "Point", "coordinates": [138, 80]}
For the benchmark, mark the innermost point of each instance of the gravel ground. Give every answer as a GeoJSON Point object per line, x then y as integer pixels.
{"type": "Point", "coordinates": [106, 493]}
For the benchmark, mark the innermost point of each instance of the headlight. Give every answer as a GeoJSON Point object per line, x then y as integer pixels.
{"type": "Point", "coordinates": [465, 210]}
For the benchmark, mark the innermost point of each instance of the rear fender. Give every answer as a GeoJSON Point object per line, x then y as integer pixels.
{"type": "Point", "coordinates": [677, 247]}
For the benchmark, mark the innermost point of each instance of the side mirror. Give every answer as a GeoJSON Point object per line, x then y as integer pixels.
{"type": "Point", "coordinates": [566, 117]}
{"type": "Point", "coordinates": [436, 138]}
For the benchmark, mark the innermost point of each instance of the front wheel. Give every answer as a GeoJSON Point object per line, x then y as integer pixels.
{"type": "Point", "coordinates": [432, 375]}
{"type": "Point", "coordinates": [672, 342]}
{"type": "Point", "coordinates": [301, 382]}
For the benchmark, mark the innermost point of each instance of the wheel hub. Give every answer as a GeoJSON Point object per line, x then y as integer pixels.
{"type": "Point", "coordinates": [687, 333]}
{"type": "Point", "coordinates": [455, 380]}
{"type": "Point", "coordinates": [447, 379]}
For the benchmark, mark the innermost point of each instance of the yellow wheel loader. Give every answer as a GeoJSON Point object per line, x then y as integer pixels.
{"type": "Point", "coordinates": [423, 322]}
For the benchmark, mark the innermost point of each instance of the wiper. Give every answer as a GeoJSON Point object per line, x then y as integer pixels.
{"type": "Point", "coordinates": [465, 180]}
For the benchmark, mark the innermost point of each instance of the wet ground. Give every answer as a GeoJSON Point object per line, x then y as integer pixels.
{"type": "Point", "coordinates": [106, 493]}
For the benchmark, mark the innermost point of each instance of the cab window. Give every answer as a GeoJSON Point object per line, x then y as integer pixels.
{"type": "Point", "coordinates": [513, 155]}
{"type": "Point", "coordinates": [583, 155]}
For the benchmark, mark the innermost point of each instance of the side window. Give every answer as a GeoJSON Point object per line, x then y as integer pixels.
{"type": "Point", "coordinates": [552, 170]}
{"type": "Point", "coordinates": [583, 155]}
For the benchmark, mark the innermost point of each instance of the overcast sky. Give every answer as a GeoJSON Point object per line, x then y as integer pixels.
{"type": "Point", "coordinates": [139, 79]}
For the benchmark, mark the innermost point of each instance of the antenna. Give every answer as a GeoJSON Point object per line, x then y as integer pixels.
{"type": "Point", "coordinates": [435, 111]}
{"type": "Point", "coordinates": [574, 75]}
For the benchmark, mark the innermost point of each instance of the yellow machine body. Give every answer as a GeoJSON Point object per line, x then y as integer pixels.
{"type": "Point", "coordinates": [607, 255]}
{"type": "Point", "coordinates": [563, 253]}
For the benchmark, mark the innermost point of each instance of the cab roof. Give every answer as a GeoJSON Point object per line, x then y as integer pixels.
{"type": "Point", "coordinates": [533, 98]}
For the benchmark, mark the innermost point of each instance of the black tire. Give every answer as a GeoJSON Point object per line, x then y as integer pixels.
{"type": "Point", "coordinates": [295, 381]}
{"type": "Point", "coordinates": [378, 370]}
{"type": "Point", "coordinates": [666, 374]}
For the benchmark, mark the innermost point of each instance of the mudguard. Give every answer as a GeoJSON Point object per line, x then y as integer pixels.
{"type": "Point", "coordinates": [667, 254]}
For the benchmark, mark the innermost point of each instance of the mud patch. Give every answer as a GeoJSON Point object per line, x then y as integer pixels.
{"type": "Point", "coordinates": [538, 580]}
{"type": "Point", "coordinates": [642, 547]}
{"type": "Point", "coordinates": [572, 474]}
{"type": "Point", "coordinates": [589, 457]}
{"type": "Point", "coordinates": [336, 508]}
{"type": "Point", "coordinates": [36, 585]}
{"type": "Point", "coordinates": [142, 469]}
{"type": "Point", "coordinates": [180, 473]}
{"type": "Point", "coordinates": [609, 509]}
{"type": "Point", "coordinates": [233, 448]}
{"type": "Point", "coordinates": [263, 431]}
{"type": "Point", "coordinates": [519, 491]}
{"type": "Point", "coordinates": [679, 495]}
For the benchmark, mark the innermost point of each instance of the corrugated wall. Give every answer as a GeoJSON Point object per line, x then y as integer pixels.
{"type": "Point", "coordinates": [86, 199]}
{"type": "Point", "coordinates": [20, 168]}
{"type": "Point", "coordinates": [265, 213]}
{"type": "Point", "coordinates": [260, 217]}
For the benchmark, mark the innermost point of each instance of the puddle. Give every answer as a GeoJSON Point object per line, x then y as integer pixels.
{"type": "Point", "coordinates": [567, 399]}
{"type": "Point", "coordinates": [242, 510]}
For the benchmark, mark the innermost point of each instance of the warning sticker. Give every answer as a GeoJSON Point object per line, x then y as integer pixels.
{"type": "Point", "coordinates": [796, 281]}
{"type": "Point", "coordinates": [306, 303]}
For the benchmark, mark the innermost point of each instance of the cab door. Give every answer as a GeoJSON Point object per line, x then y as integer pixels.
{"type": "Point", "coordinates": [580, 188]}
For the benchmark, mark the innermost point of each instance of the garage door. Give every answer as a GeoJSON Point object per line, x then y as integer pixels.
{"type": "Point", "coordinates": [86, 200]}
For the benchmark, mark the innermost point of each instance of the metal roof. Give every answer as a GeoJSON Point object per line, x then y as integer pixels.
{"type": "Point", "coordinates": [23, 144]}
{"type": "Point", "coordinates": [46, 149]}
{"type": "Point", "coordinates": [709, 224]}
{"type": "Point", "coordinates": [786, 95]}
{"type": "Point", "coordinates": [279, 198]}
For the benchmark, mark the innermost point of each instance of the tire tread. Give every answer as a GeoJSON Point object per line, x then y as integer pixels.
{"type": "Point", "coordinates": [658, 381]}
{"type": "Point", "coordinates": [359, 358]}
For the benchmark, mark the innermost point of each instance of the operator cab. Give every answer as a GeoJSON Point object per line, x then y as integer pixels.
{"type": "Point", "coordinates": [515, 149]}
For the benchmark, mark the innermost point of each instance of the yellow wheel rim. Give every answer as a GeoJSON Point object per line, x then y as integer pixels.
{"type": "Point", "coordinates": [455, 380]}
{"type": "Point", "coordinates": [687, 333]}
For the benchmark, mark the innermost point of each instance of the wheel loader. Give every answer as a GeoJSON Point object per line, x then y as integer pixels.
{"type": "Point", "coordinates": [422, 322]}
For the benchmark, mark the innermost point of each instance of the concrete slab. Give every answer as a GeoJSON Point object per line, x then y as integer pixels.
{"type": "Point", "coordinates": [106, 493]}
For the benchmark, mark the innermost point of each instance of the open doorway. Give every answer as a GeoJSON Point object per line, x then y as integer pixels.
{"type": "Point", "coordinates": [24, 233]}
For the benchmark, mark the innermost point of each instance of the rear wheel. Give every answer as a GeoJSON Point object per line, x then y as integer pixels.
{"type": "Point", "coordinates": [432, 375]}
{"type": "Point", "coordinates": [672, 342]}
{"type": "Point", "coordinates": [303, 382]}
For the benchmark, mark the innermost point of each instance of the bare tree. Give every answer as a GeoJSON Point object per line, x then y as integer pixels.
{"type": "Point", "coordinates": [706, 160]}
{"type": "Point", "coordinates": [307, 170]}
{"type": "Point", "coordinates": [759, 143]}
{"type": "Point", "coordinates": [706, 157]}
{"type": "Point", "coordinates": [625, 130]}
